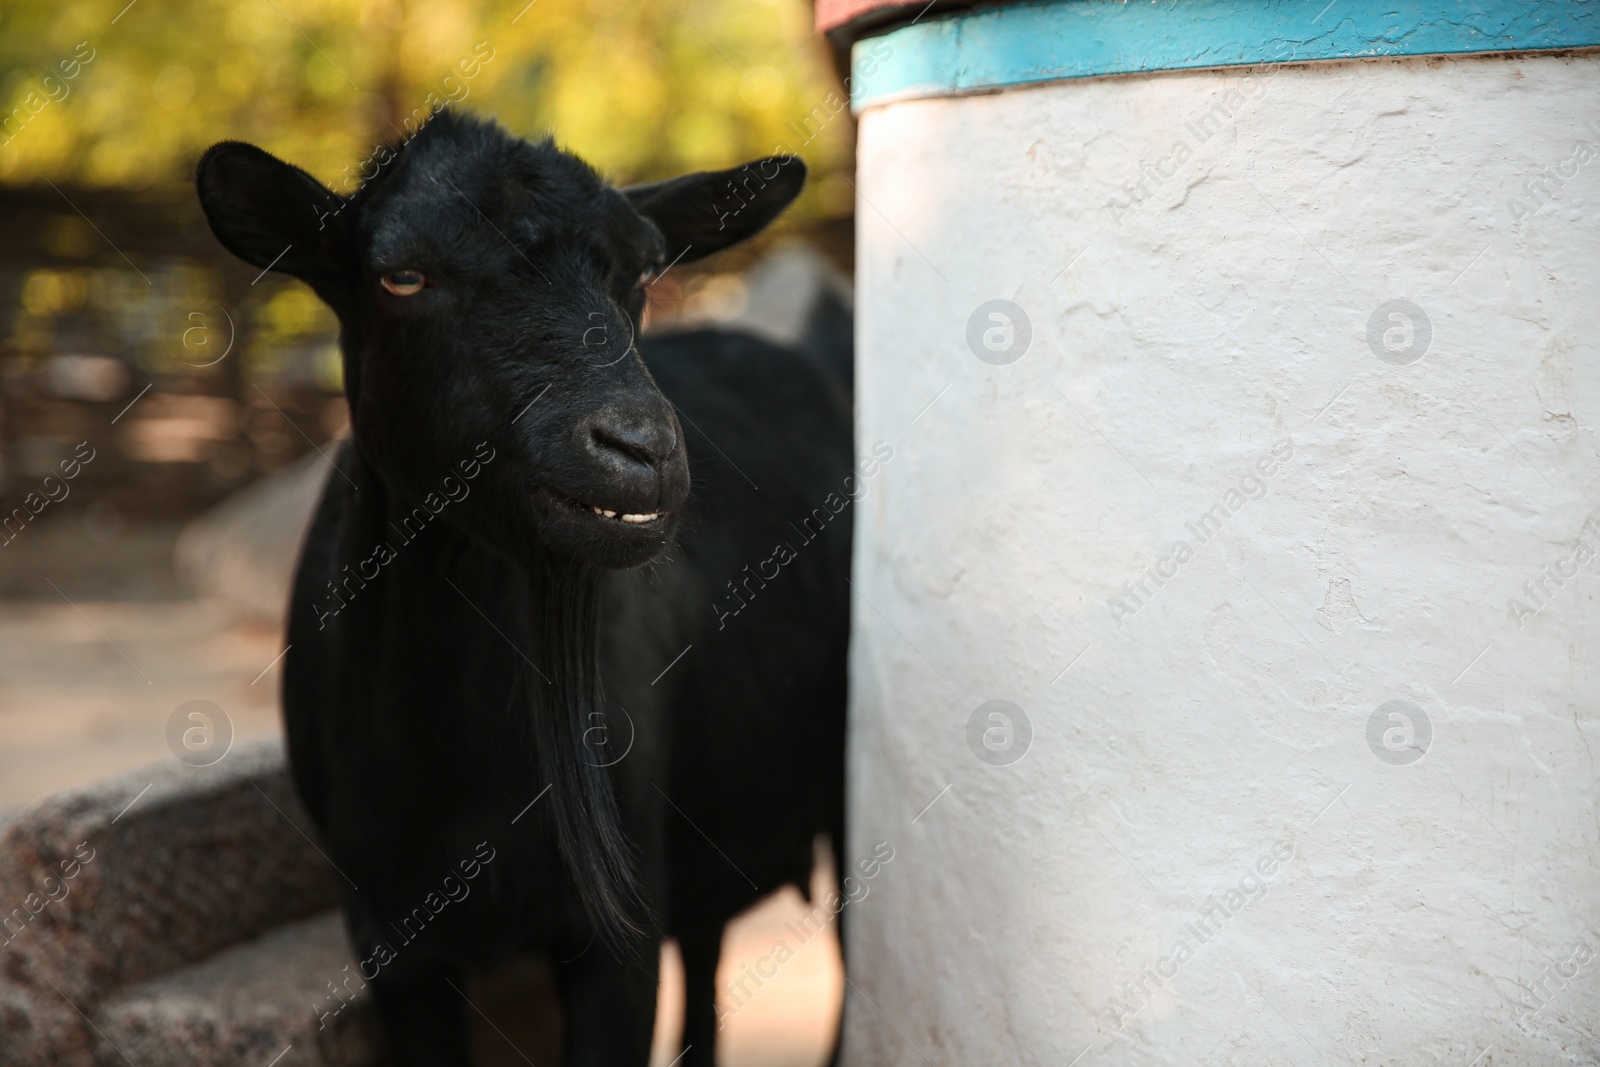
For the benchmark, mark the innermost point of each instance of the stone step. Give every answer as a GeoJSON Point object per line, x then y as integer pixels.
{"type": "Point", "coordinates": [136, 877]}
{"type": "Point", "coordinates": [183, 915]}
{"type": "Point", "coordinates": [267, 1001]}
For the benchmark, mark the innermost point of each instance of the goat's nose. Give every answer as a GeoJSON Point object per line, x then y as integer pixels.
{"type": "Point", "coordinates": [647, 441]}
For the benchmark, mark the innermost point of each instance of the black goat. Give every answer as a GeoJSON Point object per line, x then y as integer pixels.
{"type": "Point", "coordinates": [471, 627]}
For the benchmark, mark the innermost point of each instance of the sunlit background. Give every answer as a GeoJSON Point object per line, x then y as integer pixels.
{"type": "Point", "coordinates": [202, 392]}
{"type": "Point", "coordinates": [110, 281]}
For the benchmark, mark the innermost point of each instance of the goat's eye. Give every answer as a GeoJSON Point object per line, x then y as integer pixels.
{"type": "Point", "coordinates": [404, 282]}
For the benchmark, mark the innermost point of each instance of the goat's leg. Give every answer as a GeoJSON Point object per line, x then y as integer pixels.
{"type": "Point", "coordinates": [424, 1018]}
{"type": "Point", "coordinates": [608, 1007]}
{"type": "Point", "coordinates": [701, 949]}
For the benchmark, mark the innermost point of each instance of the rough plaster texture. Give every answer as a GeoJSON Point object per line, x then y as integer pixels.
{"type": "Point", "coordinates": [1174, 342]}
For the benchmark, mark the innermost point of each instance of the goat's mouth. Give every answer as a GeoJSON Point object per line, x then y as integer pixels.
{"type": "Point", "coordinates": [636, 518]}
{"type": "Point", "coordinates": [620, 519]}
{"type": "Point", "coordinates": [631, 518]}
{"type": "Point", "coordinates": [611, 522]}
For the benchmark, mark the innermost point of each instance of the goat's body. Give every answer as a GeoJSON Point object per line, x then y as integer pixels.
{"type": "Point", "coordinates": [407, 696]}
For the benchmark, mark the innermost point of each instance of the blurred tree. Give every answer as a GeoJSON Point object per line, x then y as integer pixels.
{"type": "Point", "coordinates": [104, 92]}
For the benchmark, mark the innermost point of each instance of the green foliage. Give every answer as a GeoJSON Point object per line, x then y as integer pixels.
{"type": "Point", "coordinates": [642, 90]}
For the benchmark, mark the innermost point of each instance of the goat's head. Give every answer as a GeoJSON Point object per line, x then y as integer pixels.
{"type": "Point", "coordinates": [490, 288]}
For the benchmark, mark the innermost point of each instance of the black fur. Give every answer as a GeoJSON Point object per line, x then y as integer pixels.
{"type": "Point", "coordinates": [468, 637]}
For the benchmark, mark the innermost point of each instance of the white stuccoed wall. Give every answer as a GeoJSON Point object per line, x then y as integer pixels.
{"type": "Point", "coordinates": [1230, 713]}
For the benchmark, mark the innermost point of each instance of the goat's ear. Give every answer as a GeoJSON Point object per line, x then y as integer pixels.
{"type": "Point", "coordinates": [706, 212]}
{"type": "Point", "coordinates": [271, 214]}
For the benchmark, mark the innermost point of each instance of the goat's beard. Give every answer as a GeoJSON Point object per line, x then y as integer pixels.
{"type": "Point", "coordinates": [564, 598]}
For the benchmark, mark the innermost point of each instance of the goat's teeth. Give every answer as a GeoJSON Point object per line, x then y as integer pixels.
{"type": "Point", "coordinates": [633, 517]}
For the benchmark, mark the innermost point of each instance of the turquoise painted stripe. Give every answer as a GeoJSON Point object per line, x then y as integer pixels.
{"type": "Point", "coordinates": [1051, 40]}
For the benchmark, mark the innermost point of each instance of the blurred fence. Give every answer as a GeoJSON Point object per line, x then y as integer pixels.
{"type": "Point", "coordinates": [125, 328]}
